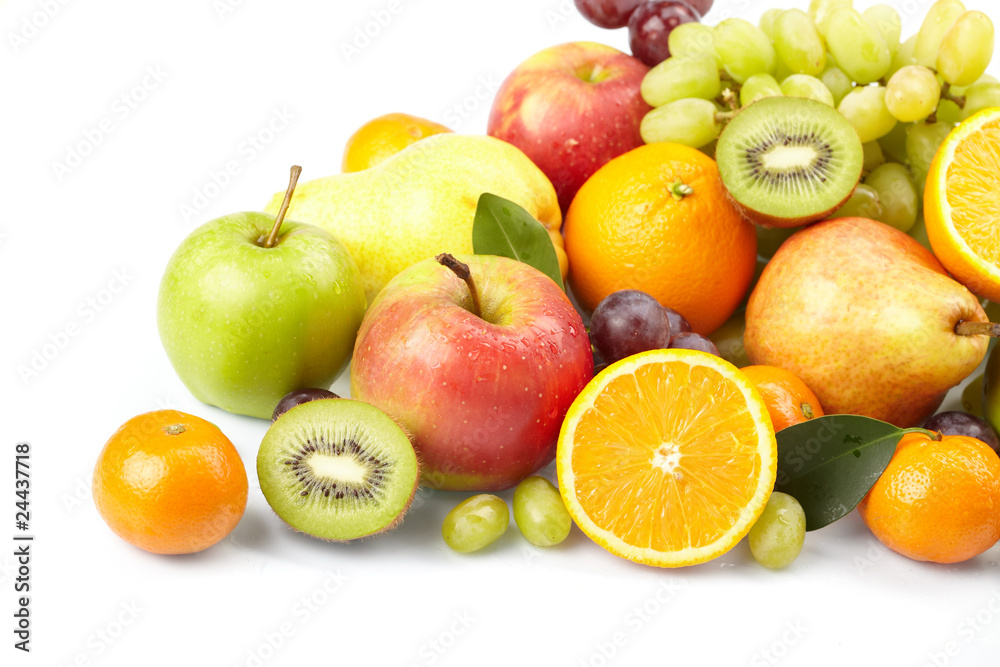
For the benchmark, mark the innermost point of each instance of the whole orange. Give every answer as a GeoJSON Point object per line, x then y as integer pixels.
{"type": "Point", "coordinates": [789, 401]}
{"type": "Point", "coordinates": [938, 500]}
{"type": "Point", "coordinates": [658, 219]}
{"type": "Point", "coordinates": [385, 136]}
{"type": "Point", "coordinates": [170, 483]}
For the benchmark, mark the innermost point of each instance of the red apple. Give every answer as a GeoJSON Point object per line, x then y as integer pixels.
{"type": "Point", "coordinates": [483, 398]}
{"type": "Point", "coordinates": [571, 108]}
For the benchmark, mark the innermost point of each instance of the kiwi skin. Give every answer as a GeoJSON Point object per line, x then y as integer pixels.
{"type": "Point", "coordinates": [280, 504]}
{"type": "Point", "coordinates": [775, 221]}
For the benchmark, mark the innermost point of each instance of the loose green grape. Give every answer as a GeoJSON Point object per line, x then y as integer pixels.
{"type": "Point", "coordinates": [820, 11]}
{"type": "Point", "coordinates": [897, 195]}
{"type": "Point", "coordinates": [475, 522]}
{"type": "Point", "coordinates": [692, 39]}
{"type": "Point", "coordinates": [966, 49]}
{"type": "Point", "coordinates": [972, 395]}
{"type": "Point", "coordinates": [912, 94]}
{"type": "Point", "coordinates": [886, 20]}
{"type": "Point", "coordinates": [873, 156]}
{"type": "Point", "coordinates": [863, 203]}
{"type": "Point", "coordinates": [680, 77]}
{"type": "Point", "coordinates": [540, 513]}
{"type": "Point", "coordinates": [798, 43]}
{"type": "Point", "coordinates": [691, 122]}
{"type": "Point", "coordinates": [758, 87]}
{"type": "Point", "coordinates": [803, 85]}
{"type": "Point", "coordinates": [980, 96]}
{"type": "Point", "coordinates": [922, 141]}
{"type": "Point", "coordinates": [766, 22]}
{"type": "Point", "coordinates": [743, 49]}
{"type": "Point", "coordinates": [919, 233]}
{"type": "Point", "coordinates": [948, 112]}
{"type": "Point", "coordinates": [894, 143]}
{"type": "Point", "coordinates": [858, 47]}
{"type": "Point", "coordinates": [865, 108]}
{"type": "Point", "coordinates": [729, 340]}
{"type": "Point", "coordinates": [777, 537]}
{"type": "Point", "coordinates": [838, 83]}
{"type": "Point", "coordinates": [937, 22]}
{"type": "Point", "coordinates": [903, 57]}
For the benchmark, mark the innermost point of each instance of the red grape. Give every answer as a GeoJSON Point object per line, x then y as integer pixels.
{"type": "Point", "coordinates": [678, 323]}
{"type": "Point", "coordinates": [628, 322]}
{"type": "Point", "coordinates": [693, 341]}
{"type": "Point", "coordinates": [650, 26]}
{"type": "Point", "coordinates": [297, 397]}
{"type": "Point", "coordinates": [954, 422]}
{"type": "Point", "coordinates": [609, 13]}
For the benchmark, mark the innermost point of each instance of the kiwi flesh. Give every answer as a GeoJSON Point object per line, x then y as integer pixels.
{"type": "Point", "coordinates": [789, 161]}
{"type": "Point", "coordinates": [337, 469]}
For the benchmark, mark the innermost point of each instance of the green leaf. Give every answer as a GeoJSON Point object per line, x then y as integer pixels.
{"type": "Point", "coordinates": [829, 463]}
{"type": "Point", "coordinates": [503, 228]}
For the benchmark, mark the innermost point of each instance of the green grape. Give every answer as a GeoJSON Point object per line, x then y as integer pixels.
{"type": "Point", "coordinates": [863, 203]}
{"type": "Point", "coordinates": [897, 195]}
{"type": "Point", "coordinates": [903, 57]}
{"type": "Point", "coordinates": [475, 522]}
{"type": "Point", "coordinates": [938, 20]}
{"type": "Point", "coordinates": [820, 11]}
{"type": "Point", "coordinates": [972, 395]}
{"type": "Point", "coordinates": [874, 157]}
{"type": "Point", "coordinates": [858, 47]}
{"type": "Point", "coordinates": [886, 20]}
{"type": "Point", "coordinates": [865, 108]}
{"type": "Point", "coordinates": [948, 112]}
{"type": "Point", "coordinates": [966, 49]}
{"type": "Point", "coordinates": [769, 239]}
{"type": "Point", "coordinates": [691, 122]}
{"type": "Point", "coordinates": [777, 536]}
{"type": "Point", "coordinates": [679, 77]}
{"type": "Point", "coordinates": [781, 71]}
{"type": "Point", "coordinates": [803, 85]}
{"type": "Point", "coordinates": [919, 232]}
{"type": "Point", "coordinates": [757, 87]}
{"type": "Point", "coordinates": [692, 39]}
{"type": "Point", "coordinates": [540, 513]}
{"type": "Point", "coordinates": [837, 83]}
{"type": "Point", "coordinates": [830, 60]}
{"type": "Point", "coordinates": [729, 339]}
{"type": "Point", "coordinates": [743, 49]}
{"type": "Point", "coordinates": [766, 22]}
{"type": "Point", "coordinates": [912, 94]}
{"type": "Point", "coordinates": [798, 43]}
{"type": "Point", "coordinates": [894, 144]}
{"type": "Point", "coordinates": [922, 141]}
{"type": "Point", "coordinates": [980, 96]}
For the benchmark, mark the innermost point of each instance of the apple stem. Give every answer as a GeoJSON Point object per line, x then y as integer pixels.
{"type": "Point", "coordinates": [679, 190]}
{"type": "Point", "coordinates": [964, 328]}
{"type": "Point", "coordinates": [461, 270]}
{"type": "Point", "coordinates": [272, 238]}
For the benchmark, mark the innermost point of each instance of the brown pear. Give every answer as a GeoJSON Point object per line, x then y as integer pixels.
{"type": "Point", "coordinates": [866, 316]}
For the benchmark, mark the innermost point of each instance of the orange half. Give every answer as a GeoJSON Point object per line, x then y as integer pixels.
{"type": "Point", "coordinates": [667, 457]}
{"type": "Point", "coordinates": [962, 203]}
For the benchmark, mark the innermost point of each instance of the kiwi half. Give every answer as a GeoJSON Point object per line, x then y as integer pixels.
{"type": "Point", "coordinates": [337, 469]}
{"type": "Point", "coordinates": [788, 161]}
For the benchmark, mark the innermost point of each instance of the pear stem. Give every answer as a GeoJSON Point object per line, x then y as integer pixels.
{"type": "Point", "coordinates": [461, 270]}
{"type": "Point", "coordinates": [272, 238]}
{"type": "Point", "coordinates": [964, 328]}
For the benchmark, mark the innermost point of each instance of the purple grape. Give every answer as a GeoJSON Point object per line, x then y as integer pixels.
{"type": "Point", "coordinates": [701, 6]}
{"type": "Point", "coordinates": [693, 341]}
{"type": "Point", "coordinates": [962, 423]}
{"type": "Point", "coordinates": [609, 13]}
{"type": "Point", "coordinates": [650, 26]}
{"type": "Point", "coordinates": [678, 323]}
{"type": "Point", "coordinates": [628, 322]}
{"type": "Point", "coordinates": [298, 397]}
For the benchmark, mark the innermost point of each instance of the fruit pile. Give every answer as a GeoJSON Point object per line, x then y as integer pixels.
{"type": "Point", "coordinates": [729, 208]}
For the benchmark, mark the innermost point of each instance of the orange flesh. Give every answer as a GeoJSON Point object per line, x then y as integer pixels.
{"type": "Point", "coordinates": [973, 193]}
{"type": "Point", "coordinates": [692, 456]}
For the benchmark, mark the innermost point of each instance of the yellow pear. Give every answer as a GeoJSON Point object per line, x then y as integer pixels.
{"type": "Point", "coordinates": [420, 202]}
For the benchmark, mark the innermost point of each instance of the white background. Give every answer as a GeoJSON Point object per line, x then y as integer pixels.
{"type": "Point", "coordinates": [224, 72]}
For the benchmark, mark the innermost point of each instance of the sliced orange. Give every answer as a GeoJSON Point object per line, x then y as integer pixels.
{"type": "Point", "coordinates": [962, 203]}
{"type": "Point", "coordinates": [667, 457]}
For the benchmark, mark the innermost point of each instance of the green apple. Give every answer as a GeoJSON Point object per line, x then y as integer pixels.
{"type": "Point", "coordinates": [251, 308]}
